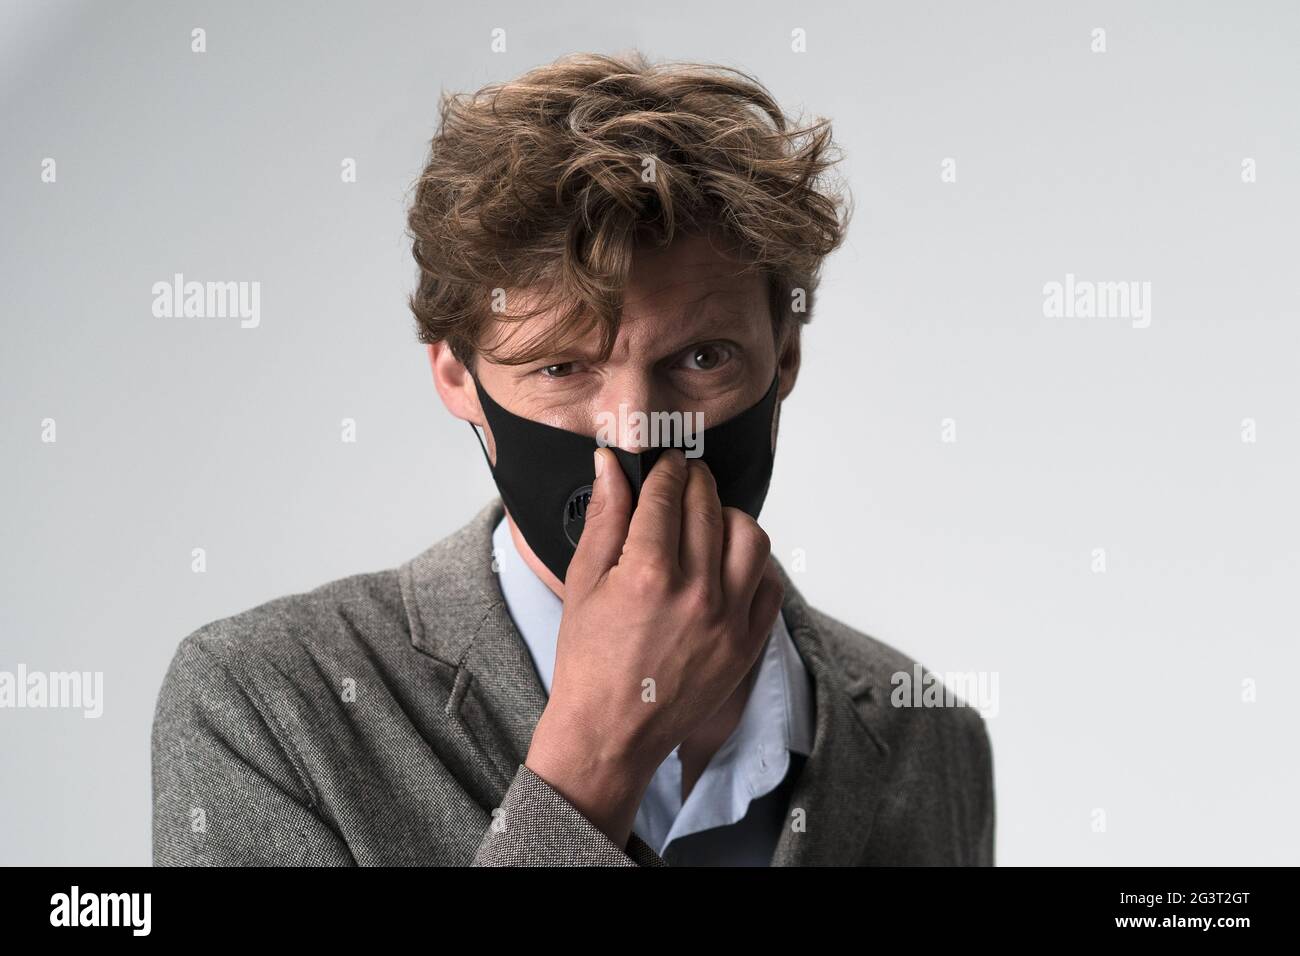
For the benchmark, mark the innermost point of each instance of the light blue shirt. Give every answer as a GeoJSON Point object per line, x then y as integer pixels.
{"type": "Point", "coordinates": [737, 809]}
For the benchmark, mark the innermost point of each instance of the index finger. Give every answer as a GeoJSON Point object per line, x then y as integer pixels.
{"type": "Point", "coordinates": [657, 521]}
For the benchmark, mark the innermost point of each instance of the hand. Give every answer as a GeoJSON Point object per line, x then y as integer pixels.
{"type": "Point", "coordinates": [680, 593]}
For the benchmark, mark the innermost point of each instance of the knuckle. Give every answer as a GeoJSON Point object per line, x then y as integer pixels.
{"type": "Point", "coordinates": [701, 602]}
{"type": "Point", "coordinates": [657, 496]}
{"type": "Point", "coordinates": [653, 573]}
{"type": "Point", "coordinates": [747, 532]}
{"type": "Point", "coordinates": [706, 518]}
{"type": "Point", "coordinates": [595, 508]}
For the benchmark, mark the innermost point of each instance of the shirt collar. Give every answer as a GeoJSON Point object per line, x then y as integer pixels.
{"type": "Point", "coordinates": [533, 606]}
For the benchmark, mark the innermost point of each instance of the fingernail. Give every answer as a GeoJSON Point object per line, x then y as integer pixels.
{"type": "Point", "coordinates": [600, 460]}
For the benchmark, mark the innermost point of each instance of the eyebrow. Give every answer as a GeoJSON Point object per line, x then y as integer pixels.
{"type": "Point", "coordinates": [701, 322]}
{"type": "Point", "coordinates": [722, 309]}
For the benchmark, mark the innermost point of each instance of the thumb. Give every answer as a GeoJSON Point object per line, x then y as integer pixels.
{"type": "Point", "coordinates": [609, 513]}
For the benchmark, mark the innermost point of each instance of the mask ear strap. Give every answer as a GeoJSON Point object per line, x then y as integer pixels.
{"type": "Point", "coordinates": [474, 428]}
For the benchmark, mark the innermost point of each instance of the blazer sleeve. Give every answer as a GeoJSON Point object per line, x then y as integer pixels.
{"type": "Point", "coordinates": [227, 790]}
{"type": "Point", "coordinates": [536, 826]}
{"type": "Point", "coordinates": [985, 804]}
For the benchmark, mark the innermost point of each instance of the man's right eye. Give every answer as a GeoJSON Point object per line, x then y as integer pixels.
{"type": "Point", "coordinates": [557, 371]}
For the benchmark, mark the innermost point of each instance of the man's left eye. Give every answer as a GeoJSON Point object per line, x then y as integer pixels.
{"type": "Point", "coordinates": [705, 358]}
{"type": "Point", "coordinates": [559, 370]}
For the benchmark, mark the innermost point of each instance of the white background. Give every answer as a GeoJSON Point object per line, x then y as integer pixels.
{"type": "Point", "coordinates": [1118, 691]}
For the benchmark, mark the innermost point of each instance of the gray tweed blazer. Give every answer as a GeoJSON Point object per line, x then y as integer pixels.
{"type": "Point", "coordinates": [383, 719]}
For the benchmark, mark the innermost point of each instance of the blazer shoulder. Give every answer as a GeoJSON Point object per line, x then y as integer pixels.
{"type": "Point", "coordinates": [876, 674]}
{"type": "Point", "coordinates": [857, 652]}
{"type": "Point", "coordinates": [287, 634]}
{"type": "Point", "coordinates": [941, 788]}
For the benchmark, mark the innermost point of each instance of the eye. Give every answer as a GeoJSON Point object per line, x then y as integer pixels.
{"type": "Point", "coordinates": [559, 370]}
{"type": "Point", "coordinates": [705, 358]}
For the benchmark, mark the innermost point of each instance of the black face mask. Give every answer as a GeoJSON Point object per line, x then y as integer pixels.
{"type": "Point", "coordinates": [545, 473]}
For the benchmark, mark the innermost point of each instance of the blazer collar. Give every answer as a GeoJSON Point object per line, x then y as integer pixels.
{"type": "Point", "coordinates": [458, 616]}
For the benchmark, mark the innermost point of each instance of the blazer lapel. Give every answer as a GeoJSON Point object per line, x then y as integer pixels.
{"type": "Point", "coordinates": [461, 619]}
{"type": "Point", "coordinates": [829, 818]}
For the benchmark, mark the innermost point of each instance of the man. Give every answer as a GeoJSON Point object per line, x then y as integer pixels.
{"type": "Point", "coordinates": [605, 666]}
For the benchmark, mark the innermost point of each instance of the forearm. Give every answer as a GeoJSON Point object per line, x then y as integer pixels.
{"type": "Point", "coordinates": [604, 785]}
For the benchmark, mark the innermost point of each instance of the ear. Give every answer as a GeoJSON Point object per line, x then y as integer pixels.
{"type": "Point", "coordinates": [455, 384]}
{"type": "Point", "coordinates": [788, 357]}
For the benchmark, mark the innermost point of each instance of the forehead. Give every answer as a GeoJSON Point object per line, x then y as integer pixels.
{"type": "Point", "coordinates": [686, 269]}
{"type": "Point", "coordinates": [697, 286]}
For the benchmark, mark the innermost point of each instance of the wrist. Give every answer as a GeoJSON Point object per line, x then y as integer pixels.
{"type": "Point", "coordinates": [605, 783]}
